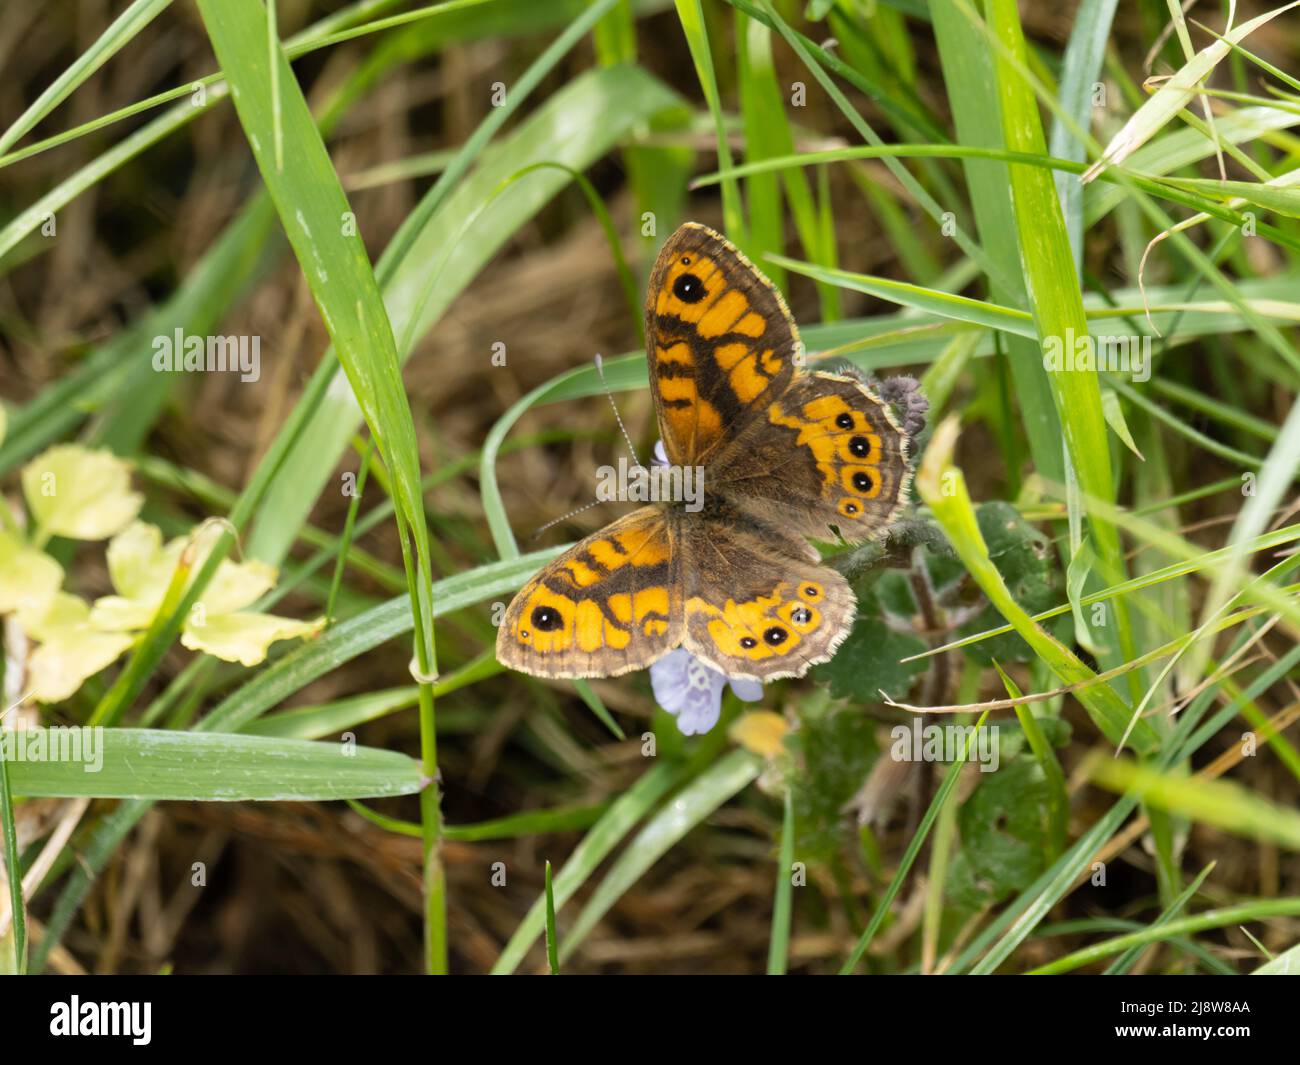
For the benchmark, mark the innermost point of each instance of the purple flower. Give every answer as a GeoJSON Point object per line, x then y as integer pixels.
{"type": "Point", "coordinates": [692, 691]}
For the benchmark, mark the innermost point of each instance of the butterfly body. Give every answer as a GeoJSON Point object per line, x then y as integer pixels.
{"type": "Point", "coordinates": [786, 455]}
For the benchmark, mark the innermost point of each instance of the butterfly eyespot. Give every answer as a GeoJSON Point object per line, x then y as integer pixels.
{"type": "Point", "coordinates": [845, 420]}
{"type": "Point", "coordinates": [686, 260]}
{"type": "Point", "coordinates": [860, 446]}
{"type": "Point", "coordinates": [800, 615]}
{"type": "Point", "coordinates": [848, 508]}
{"type": "Point", "coordinates": [811, 591]}
{"type": "Point", "coordinates": [862, 481]}
{"type": "Point", "coordinates": [524, 634]}
{"type": "Point", "coordinates": [547, 618]}
{"type": "Point", "coordinates": [688, 288]}
{"type": "Point", "coordinates": [748, 642]}
{"type": "Point", "coordinates": [775, 636]}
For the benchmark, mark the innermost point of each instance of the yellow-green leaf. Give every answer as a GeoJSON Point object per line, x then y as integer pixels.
{"type": "Point", "coordinates": [70, 650]}
{"type": "Point", "coordinates": [28, 578]}
{"type": "Point", "coordinates": [80, 493]}
{"type": "Point", "coordinates": [245, 637]}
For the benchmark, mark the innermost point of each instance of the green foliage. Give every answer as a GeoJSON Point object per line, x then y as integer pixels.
{"type": "Point", "coordinates": [832, 752]}
{"type": "Point", "coordinates": [1003, 823]}
{"type": "Point", "coordinates": [1002, 836]}
{"type": "Point", "coordinates": [1024, 557]}
{"type": "Point", "coordinates": [870, 659]}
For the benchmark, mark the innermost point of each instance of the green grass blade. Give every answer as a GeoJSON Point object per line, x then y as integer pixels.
{"type": "Point", "coordinates": [1285, 964]}
{"type": "Point", "coordinates": [314, 212]}
{"type": "Point", "coordinates": [1219, 803]}
{"type": "Point", "coordinates": [1083, 61]}
{"type": "Point", "coordinates": [958, 308]}
{"type": "Point", "coordinates": [596, 845]}
{"type": "Point", "coordinates": [363, 633]}
{"type": "Point", "coordinates": [764, 120]}
{"type": "Point", "coordinates": [1195, 562]}
{"type": "Point", "coordinates": [530, 823]}
{"type": "Point", "coordinates": [997, 942]}
{"type": "Point", "coordinates": [316, 217]}
{"type": "Point", "coordinates": [778, 951]}
{"type": "Point", "coordinates": [1058, 796]}
{"type": "Point", "coordinates": [155, 764]}
{"type": "Point", "coordinates": [691, 15]}
{"type": "Point", "coordinates": [119, 33]}
{"type": "Point", "coordinates": [1175, 93]}
{"type": "Point", "coordinates": [13, 869]}
{"type": "Point", "coordinates": [1229, 915]}
{"type": "Point", "coordinates": [913, 187]}
{"type": "Point", "coordinates": [315, 722]}
{"type": "Point", "coordinates": [943, 487]}
{"type": "Point", "coordinates": [552, 938]}
{"type": "Point", "coordinates": [688, 808]}
{"type": "Point", "coordinates": [913, 849]}
{"type": "Point", "coordinates": [1275, 482]}
{"type": "Point", "coordinates": [1052, 284]}
{"type": "Point", "coordinates": [576, 126]}
{"type": "Point", "coordinates": [30, 219]}
{"type": "Point", "coordinates": [1125, 962]}
{"type": "Point", "coordinates": [970, 76]}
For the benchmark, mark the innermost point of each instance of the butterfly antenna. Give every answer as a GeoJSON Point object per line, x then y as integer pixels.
{"type": "Point", "coordinates": [565, 517]}
{"type": "Point", "coordinates": [600, 370]}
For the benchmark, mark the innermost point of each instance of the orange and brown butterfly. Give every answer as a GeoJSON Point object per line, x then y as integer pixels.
{"type": "Point", "coordinates": [786, 454]}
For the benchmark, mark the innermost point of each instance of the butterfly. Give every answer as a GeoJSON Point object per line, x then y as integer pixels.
{"type": "Point", "coordinates": [785, 454]}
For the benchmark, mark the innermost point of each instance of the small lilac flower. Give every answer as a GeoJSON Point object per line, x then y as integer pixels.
{"type": "Point", "coordinates": [692, 691]}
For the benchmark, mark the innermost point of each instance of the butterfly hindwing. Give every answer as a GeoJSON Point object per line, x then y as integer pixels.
{"type": "Point", "coordinates": [758, 603]}
{"type": "Point", "coordinates": [720, 343]}
{"type": "Point", "coordinates": [608, 605]}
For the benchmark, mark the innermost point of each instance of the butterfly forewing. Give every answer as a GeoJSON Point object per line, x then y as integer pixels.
{"type": "Point", "coordinates": [826, 453]}
{"type": "Point", "coordinates": [608, 605]}
{"type": "Point", "coordinates": [720, 343]}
